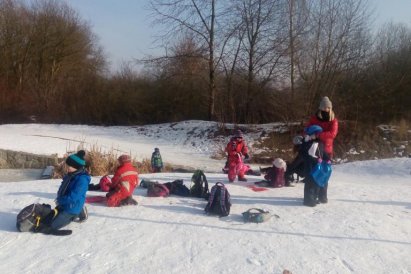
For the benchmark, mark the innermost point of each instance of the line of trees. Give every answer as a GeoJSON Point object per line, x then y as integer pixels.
{"type": "Point", "coordinates": [241, 61]}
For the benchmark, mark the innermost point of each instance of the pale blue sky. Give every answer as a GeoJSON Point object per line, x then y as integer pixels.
{"type": "Point", "coordinates": [125, 32]}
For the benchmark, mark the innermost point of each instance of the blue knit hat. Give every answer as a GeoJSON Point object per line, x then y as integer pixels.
{"type": "Point", "coordinates": [314, 129]}
{"type": "Point", "coordinates": [76, 160]}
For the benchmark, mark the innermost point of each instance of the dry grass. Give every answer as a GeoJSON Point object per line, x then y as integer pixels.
{"type": "Point", "coordinates": [402, 132]}
{"type": "Point", "coordinates": [101, 163]}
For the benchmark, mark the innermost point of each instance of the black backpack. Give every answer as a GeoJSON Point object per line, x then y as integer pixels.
{"type": "Point", "coordinates": [199, 186]}
{"type": "Point", "coordinates": [178, 188]}
{"type": "Point", "coordinates": [219, 202]}
{"type": "Point", "coordinates": [31, 217]}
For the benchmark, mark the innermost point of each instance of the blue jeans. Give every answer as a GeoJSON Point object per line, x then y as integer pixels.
{"type": "Point", "coordinates": [62, 219]}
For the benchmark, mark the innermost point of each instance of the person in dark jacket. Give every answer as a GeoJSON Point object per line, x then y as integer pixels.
{"type": "Point", "coordinates": [156, 161]}
{"type": "Point", "coordinates": [71, 195]}
{"type": "Point", "coordinates": [312, 151]}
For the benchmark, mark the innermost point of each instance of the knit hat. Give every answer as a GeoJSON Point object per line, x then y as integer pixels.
{"type": "Point", "coordinates": [76, 160]}
{"type": "Point", "coordinates": [325, 103]}
{"type": "Point", "coordinates": [156, 149]}
{"type": "Point", "coordinates": [280, 163]}
{"type": "Point", "coordinates": [124, 159]}
{"type": "Point", "coordinates": [238, 134]}
{"type": "Point", "coordinates": [313, 129]}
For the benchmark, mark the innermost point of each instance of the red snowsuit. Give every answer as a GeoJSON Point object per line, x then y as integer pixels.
{"type": "Point", "coordinates": [236, 149]}
{"type": "Point", "coordinates": [123, 183]}
{"type": "Point", "coordinates": [327, 136]}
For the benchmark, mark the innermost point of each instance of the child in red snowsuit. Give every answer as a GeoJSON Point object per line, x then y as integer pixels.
{"type": "Point", "coordinates": [123, 183]}
{"type": "Point", "coordinates": [236, 149]}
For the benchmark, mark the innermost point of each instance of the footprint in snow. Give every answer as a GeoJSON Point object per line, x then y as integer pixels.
{"type": "Point", "coordinates": [254, 261]}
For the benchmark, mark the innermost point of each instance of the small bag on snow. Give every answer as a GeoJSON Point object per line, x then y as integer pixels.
{"type": "Point", "coordinates": [256, 215]}
{"type": "Point", "coordinates": [30, 217]}
{"type": "Point", "coordinates": [219, 202]}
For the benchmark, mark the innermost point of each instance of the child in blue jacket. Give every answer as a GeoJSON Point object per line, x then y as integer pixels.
{"type": "Point", "coordinates": [71, 195]}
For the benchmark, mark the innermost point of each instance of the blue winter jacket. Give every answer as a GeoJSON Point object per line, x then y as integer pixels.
{"type": "Point", "coordinates": [72, 192]}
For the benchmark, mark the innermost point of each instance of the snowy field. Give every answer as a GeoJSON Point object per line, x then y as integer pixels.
{"type": "Point", "coordinates": [365, 227]}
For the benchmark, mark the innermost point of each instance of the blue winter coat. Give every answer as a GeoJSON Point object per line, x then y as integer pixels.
{"type": "Point", "coordinates": [72, 192]}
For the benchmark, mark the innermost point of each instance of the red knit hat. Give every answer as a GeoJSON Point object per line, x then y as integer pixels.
{"type": "Point", "coordinates": [124, 159]}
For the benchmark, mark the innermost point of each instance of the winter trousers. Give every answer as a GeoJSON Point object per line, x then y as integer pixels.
{"type": "Point", "coordinates": [62, 219]}
{"type": "Point", "coordinates": [311, 191]}
{"type": "Point", "coordinates": [235, 167]}
{"type": "Point", "coordinates": [115, 197]}
{"type": "Point", "coordinates": [156, 169]}
{"type": "Point", "coordinates": [322, 194]}
{"type": "Point", "coordinates": [296, 166]}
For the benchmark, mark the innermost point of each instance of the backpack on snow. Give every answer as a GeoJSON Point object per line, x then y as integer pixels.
{"type": "Point", "coordinates": [199, 187]}
{"type": "Point", "coordinates": [178, 188]}
{"type": "Point", "coordinates": [219, 202]}
{"type": "Point", "coordinates": [256, 215]}
{"type": "Point", "coordinates": [32, 216]}
{"type": "Point", "coordinates": [155, 189]}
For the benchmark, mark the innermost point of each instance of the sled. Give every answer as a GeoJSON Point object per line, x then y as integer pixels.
{"type": "Point", "coordinates": [96, 199]}
{"type": "Point", "coordinates": [257, 188]}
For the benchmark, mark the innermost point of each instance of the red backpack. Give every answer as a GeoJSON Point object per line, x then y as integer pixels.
{"type": "Point", "coordinates": [155, 189]}
{"type": "Point", "coordinates": [105, 183]}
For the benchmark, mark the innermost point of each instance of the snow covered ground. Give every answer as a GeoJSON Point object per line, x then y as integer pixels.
{"type": "Point", "coordinates": [365, 227]}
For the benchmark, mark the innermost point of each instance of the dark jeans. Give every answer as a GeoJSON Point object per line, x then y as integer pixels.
{"type": "Point", "coordinates": [62, 219]}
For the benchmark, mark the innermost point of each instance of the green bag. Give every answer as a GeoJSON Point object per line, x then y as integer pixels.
{"type": "Point", "coordinates": [256, 215]}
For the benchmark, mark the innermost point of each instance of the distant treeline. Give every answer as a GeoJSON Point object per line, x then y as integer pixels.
{"type": "Point", "coordinates": [234, 61]}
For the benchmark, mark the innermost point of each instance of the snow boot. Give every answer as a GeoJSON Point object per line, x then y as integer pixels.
{"type": "Point", "coordinates": [242, 179]}
{"type": "Point", "coordinates": [83, 216]}
{"type": "Point", "coordinates": [128, 201]}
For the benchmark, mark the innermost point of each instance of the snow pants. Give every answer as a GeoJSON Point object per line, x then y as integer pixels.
{"type": "Point", "coordinates": [236, 167]}
{"type": "Point", "coordinates": [115, 197]}
{"type": "Point", "coordinates": [311, 190]}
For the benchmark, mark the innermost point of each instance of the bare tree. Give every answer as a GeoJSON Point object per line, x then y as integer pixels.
{"type": "Point", "coordinates": [262, 46]}
{"type": "Point", "coordinates": [333, 44]}
{"type": "Point", "coordinates": [200, 18]}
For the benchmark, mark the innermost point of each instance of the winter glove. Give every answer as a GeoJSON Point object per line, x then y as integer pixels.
{"type": "Point", "coordinates": [110, 193]}
{"type": "Point", "coordinates": [247, 158]}
{"type": "Point", "coordinates": [94, 187]}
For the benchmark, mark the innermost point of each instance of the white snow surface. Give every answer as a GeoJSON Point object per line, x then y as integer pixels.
{"type": "Point", "coordinates": [365, 227]}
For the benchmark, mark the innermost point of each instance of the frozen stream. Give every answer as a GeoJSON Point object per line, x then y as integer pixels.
{"type": "Point", "coordinates": [18, 175]}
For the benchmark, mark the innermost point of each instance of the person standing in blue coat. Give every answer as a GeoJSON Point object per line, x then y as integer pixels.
{"type": "Point", "coordinates": [71, 195]}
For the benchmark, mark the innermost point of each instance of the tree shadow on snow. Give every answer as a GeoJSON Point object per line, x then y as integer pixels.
{"type": "Point", "coordinates": [280, 201]}
{"type": "Point", "coordinates": [36, 194]}
{"type": "Point", "coordinates": [384, 203]}
{"type": "Point", "coordinates": [8, 221]}
{"type": "Point", "coordinates": [191, 209]}
{"type": "Point", "coordinates": [251, 228]}
{"type": "Point", "coordinates": [189, 205]}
